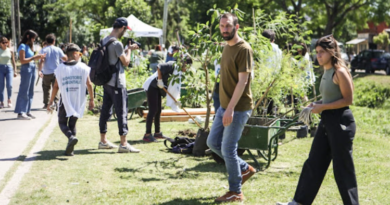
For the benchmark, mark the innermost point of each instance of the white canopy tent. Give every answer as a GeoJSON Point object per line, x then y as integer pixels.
{"type": "Point", "coordinates": [139, 28]}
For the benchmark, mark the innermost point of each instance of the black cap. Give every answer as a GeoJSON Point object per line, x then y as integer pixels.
{"type": "Point", "coordinates": [120, 22]}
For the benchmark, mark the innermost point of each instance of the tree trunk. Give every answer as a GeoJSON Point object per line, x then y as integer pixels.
{"type": "Point", "coordinates": [329, 26]}
{"type": "Point", "coordinates": [208, 100]}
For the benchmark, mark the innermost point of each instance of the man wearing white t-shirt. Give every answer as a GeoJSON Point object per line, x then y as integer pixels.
{"type": "Point", "coordinates": [72, 79]}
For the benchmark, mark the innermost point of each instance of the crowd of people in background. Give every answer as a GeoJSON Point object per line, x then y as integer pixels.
{"type": "Point", "coordinates": [62, 71]}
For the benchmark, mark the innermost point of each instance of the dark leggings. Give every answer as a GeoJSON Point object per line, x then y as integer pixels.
{"type": "Point", "coordinates": [154, 103]}
{"type": "Point", "coordinates": [332, 142]}
{"type": "Point", "coordinates": [67, 124]}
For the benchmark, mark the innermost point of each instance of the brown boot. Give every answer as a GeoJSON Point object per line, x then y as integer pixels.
{"type": "Point", "coordinates": [230, 196]}
{"type": "Point", "coordinates": [247, 174]}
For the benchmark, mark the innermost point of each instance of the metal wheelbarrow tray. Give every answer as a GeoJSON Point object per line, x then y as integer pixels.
{"type": "Point", "coordinates": [263, 139]}
{"type": "Point", "coordinates": [135, 99]}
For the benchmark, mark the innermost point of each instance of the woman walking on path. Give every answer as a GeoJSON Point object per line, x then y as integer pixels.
{"type": "Point", "coordinates": [27, 75]}
{"type": "Point", "coordinates": [7, 71]}
{"type": "Point", "coordinates": [335, 133]}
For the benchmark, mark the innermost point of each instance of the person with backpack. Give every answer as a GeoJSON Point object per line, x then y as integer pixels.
{"type": "Point", "coordinates": [72, 79]}
{"type": "Point", "coordinates": [115, 93]}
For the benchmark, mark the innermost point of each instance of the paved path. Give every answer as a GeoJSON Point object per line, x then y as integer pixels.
{"type": "Point", "coordinates": [16, 135]}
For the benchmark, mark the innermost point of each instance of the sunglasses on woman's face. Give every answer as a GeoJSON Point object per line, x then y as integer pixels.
{"type": "Point", "coordinates": [4, 42]}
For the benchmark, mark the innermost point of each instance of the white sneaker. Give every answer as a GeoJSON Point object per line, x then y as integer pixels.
{"type": "Point", "coordinates": [108, 145]}
{"type": "Point", "coordinates": [288, 203]}
{"type": "Point", "coordinates": [23, 116]}
{"type": "Point", "coordinates": [128, 148]}
{"type": "Point", "coordinates": [31, 116]}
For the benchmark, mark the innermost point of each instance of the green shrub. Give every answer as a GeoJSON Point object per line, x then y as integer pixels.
{"type": "Point", "coordinates": [370, 94]}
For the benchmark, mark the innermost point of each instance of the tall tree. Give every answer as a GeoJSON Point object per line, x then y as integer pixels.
{"type": "Point", "coordinates": [334, 14]}
{"type": "Point", "coordinates": [5, 18]}
{"type": "Point", "coordinates": [199, 9]}
{"type": "Point", "coordinates": [178, 17]}
{"type": "Point", "coordinates": [34, 16]}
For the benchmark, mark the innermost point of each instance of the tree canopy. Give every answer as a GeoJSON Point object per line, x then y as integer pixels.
{"type": "Point", "coordinates": [340, 17]}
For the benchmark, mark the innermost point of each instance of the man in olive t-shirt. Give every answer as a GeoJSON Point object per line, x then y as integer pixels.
{"type": "Point", "coordinates": [236, 107]}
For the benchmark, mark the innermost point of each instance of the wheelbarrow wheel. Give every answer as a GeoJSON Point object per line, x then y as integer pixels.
{"type": "Point", "coordinates": [140, 110]}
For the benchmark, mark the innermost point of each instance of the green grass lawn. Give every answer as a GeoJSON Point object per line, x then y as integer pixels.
{"type": "Point", "coordinates": [156, 176]}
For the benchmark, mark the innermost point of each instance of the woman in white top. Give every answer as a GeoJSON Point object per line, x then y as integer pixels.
{"type": "Point", "coordinates": [7, 70]}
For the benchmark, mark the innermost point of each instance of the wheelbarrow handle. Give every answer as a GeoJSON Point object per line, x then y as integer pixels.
{"type": "Point", "coordinates": [292, 122]}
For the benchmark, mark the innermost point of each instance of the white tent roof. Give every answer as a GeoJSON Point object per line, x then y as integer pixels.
{"type": "Point", "coordinates": [139, 28]}
{"type": "Point", "coordinates": [356, 41]}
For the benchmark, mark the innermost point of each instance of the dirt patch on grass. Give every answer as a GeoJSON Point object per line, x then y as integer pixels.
{"type": "Point", "coordinates": [187, 132]}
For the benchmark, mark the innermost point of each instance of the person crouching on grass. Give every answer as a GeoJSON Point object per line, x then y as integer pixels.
{"type": "Point", "coordinates": [154, 91]}
{"type": "Point", "coordinates": [72, 79]}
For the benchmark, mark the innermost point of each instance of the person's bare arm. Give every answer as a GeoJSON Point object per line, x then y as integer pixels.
{"type": "Point", "coordinates": [65, 58]}
{"type": "Point", "coordinates": [24, 60]}
{"type": "Point", "coordinates": [90, 92]}
{"type": "Point", "coordinates": [40, 66]}
{"type": "Point", "coordinates": [240, 87]}
{"type": "Point", "coordinates": [159, 74]}
{"type": "Point", "coordinates": [53, 95]}
{"type": "Point", "coordinates": [343, 79]}
{"type": "Point", "coordinates": [125, 59]}
{"type": "Point", "coordinates": [14, 63]}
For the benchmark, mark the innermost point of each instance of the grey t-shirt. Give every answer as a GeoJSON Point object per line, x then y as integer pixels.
{"type": "Point", "coordinates": [115, 50]}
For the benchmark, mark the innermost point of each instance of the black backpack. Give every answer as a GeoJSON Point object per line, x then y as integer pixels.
{"type": "Point", "coordinates": [101, 70]}
{"type": "Point", "coordinates": [182, 145]}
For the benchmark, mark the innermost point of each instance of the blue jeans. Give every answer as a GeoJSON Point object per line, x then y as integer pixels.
{"type": "Point", "coordinates": [6, 74]}
{"type": "Point", "coordinates": [224, 142]}
{"type": "Point", "coordinates": [116, 97]}
{"type": "Point", "coordinates": [26, 88]}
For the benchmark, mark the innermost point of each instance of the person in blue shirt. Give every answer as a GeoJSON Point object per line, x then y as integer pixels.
{"type": "Point", "coordinates": [171, 51]}
{"type": "Point", "coordinates": [27, 75]}
{"type": "Point", "coordinates": [48, 66]}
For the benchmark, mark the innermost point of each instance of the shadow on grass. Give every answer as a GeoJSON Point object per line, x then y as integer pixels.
{"type": "Point", "coordinates": [38, 110]}
{"type": "Point", "coordinates": [54, 155]}
{"type": "Point", "coordinates": [8, 119]}
{"type": "Point", "coordinates": [171, 164]}
{"type": "Point", "coordinates": [134, 142]}
{"type": "Point", "coordinates": [162, 164]}
{"type": "Point", "coordinates": [281, 173]}
{"type": "Point", "coordinates": [201, 201]}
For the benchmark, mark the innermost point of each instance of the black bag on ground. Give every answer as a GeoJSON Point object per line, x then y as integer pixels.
{"type": "Point", "coordinates": [180, 145]}
{"type": "Point", "coordinates": [183, 148]}
{"type": "Point", "coordinates": [101, 70]}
